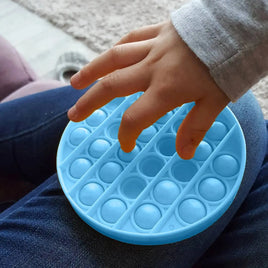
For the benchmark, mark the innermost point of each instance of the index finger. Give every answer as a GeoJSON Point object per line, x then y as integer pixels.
{"type": "Point", "coordinates": [116, 58]}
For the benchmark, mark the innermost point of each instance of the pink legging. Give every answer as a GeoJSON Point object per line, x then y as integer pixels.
{"type": "Point", "coordinates": [17, 79]}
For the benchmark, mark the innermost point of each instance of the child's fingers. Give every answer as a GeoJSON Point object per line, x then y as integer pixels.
{"type": "Point", "coordinates": [119, 83]}
{"type": "Point", "coordinates": [194, 127]}
{"type": "Point", "coordinates": [143, 33]}
{"type": "Point", "coordinates": [140, 115]}
{"type": "Point", "coordinates": [116, 58]}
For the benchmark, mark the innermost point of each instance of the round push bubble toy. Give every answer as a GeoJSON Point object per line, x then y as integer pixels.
{"type": "Point", "coordinates": [149, 196]}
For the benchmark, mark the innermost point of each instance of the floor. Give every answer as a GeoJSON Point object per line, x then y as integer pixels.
{"type": "Point", "coordinates": [41, 43]}
{"type": "Point", "coordinates": [37, 40]}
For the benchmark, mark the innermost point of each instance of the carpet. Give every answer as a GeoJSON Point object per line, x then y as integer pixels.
{"type": "Point", "coordinates": [100, 24]}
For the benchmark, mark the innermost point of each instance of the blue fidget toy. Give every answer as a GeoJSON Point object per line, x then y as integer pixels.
{"type": "Point", "coordinates": [149, 196]}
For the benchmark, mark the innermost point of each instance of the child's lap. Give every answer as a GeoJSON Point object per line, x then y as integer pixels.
{"type": "Point", "coordinates": [43, 224]}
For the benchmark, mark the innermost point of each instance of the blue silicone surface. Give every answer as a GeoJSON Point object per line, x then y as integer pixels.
{"type": "Point", "coordinates": [149, 196]}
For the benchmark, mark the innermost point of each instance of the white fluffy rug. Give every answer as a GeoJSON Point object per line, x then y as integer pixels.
{"type": "Point", "coordinates": [101, 23]}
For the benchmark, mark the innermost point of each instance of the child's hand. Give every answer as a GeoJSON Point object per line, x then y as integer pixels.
{"type": "Point", "coordinates": [153, 59]}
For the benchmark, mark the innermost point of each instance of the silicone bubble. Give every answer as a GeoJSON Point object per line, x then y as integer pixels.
{"type": "Point", "coordinates": [98, 147]}
{"type": "Point", "coordinates": [109, 171]}
{"type": "Point", "coordinates": [149, 196]}
{"type": "Point", "coordinates": [147, 134]}
{"type": "Point", "coordinates": [112, 210]}
{"type": "Point", "coordinates": [78, 135]}
{"type": "Point", "coordinates": [90, 193]}
{"type": "Point", "coordinates": [217, 131]}
{"type": "Point", "coordinates": [147, 215]}
{"type": "Point", "coordinates": [212, 189]}
{"type": "Point", "coordinates": [226, 165]}
{"type": "Point", "coordinates": [192, 210]}
{"type": "Point", "coordinates": [203, 151]}
{"type": "Point", "coordinates": [166, 191]}
{"type": "Point", "coordinates": [96, 118]}
{"type": "Point", "coordinates": [79, 167]}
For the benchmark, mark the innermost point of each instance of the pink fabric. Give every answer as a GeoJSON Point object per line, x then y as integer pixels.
{"type": "Point", "coordinates": [17, 79]}
{"type": "Point", "coordinates": [34, 87]}
{"type": "Point", "coordinates": [14, 71]}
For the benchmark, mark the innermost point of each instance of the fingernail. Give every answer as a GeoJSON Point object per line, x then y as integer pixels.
{"type": "Point", "coordinates": [188, 151]}
{"type": "Point", "coordinates": [72, 113]}
{"type": "Point", "coordinates": [75, 79]}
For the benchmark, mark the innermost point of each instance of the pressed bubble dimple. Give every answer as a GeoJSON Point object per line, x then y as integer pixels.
{"type": "Point", "coordinates": [151, 165]}
{"type": "Point", "coordinates": [212, 189]}
{"type": "Point", "coordinates": [165, 192]}
{"type": "Point", "coordinates": [79, 167]}
{"type": "Point", "coordinates": [226, 165]}
{"type": "Point", "coordinates": [90, 193]}
{"type": "Point", "coordinates": [183, 170]}
{"type": "Point", "coordinates": [147, 215]}
{"type": "Point", "coordinates": [217, 131]}
{"type": "Point", "coordinates": [114, 103]}
{"type": "Point", "coordinates": [96, 118]}
{"type": "Point", "coordinates": [147, 134]}
{"type": "Point", "coordinates": [176, 125]}
{"type": "Point", "coordinates": [127, 157]}
{"type": "Point", "coordinates": [109, 171]}
{"type": "Point", "coordinates": [166, 145]}
{"type": "Point", "coordinates": [192, 210]}
{"type": "Point", "coordinates": [112, 210]}
{"type": "Point", "coordinates": [203, 151]}
{"type": "Point", "coordinates": [78, 135]}
{"type": "Point", "coordinates": [113, 130]}
{"type": "Point", "coordinates": [98, 148]}
{"type": "Point", "coordinates": [164, 118]}
{"type": "Point", "coordinates": [132, 187]}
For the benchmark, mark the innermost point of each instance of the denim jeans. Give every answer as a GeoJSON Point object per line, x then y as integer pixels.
{"type": "Point", "coordinates": [42, 230]}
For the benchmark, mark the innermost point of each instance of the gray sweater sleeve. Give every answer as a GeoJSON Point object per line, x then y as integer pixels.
{"type": "Point", "coordinates": [230, 37]}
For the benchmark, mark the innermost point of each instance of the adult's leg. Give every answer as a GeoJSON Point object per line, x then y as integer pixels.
{"type": "Point", "coordinates": [30, 129]}
{"type": "Point", "coordinates": [42, 229]}
{"type": "Point", "coordinates": [244, 243]}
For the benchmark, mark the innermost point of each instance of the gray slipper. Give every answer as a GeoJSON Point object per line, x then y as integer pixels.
{"type": "Point", "coordinates": [68, 64]}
